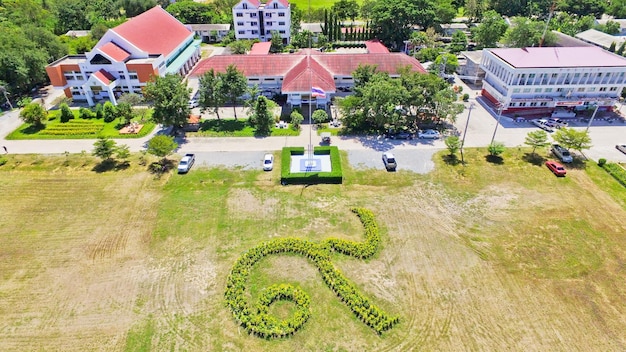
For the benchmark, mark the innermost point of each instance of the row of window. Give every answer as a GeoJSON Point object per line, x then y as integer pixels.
{"type": "Point", "coordinates": [534, 103]}
{"type": "Point", "coordinates": [77, 75]}
{"type": "Point", "coordinates": [96, 89]}
{"type": "Point", "coordinates": [550, 90]}
{"type": "Point", "coordinates": [240, 23]}
{"type": "Point", "coordinates": [254, 14]}
{"type": "Point", "coordinates": [245, 6]}
{"type": "Point", "coordinates": [256, 32]}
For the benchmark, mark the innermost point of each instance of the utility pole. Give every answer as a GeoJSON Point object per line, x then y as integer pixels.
{"type": "Point", "coordinates": [4, 90]}
{"type": "Point", "coordinates": [545, 29]}
{"type": "Point", "coordinates": [469, 113]}
{"type": "Point", "coordinates": [500, 108]}
{"type": "Point", "coordinates": [592, 117]}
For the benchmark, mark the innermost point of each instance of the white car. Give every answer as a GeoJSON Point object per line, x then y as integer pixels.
{"type": "Point", "coordinates": [543, 124]}
{"type": "Point", "coordinates": [186, 163]}
{"type": "Point", "coordinates": [621, 148]}
{"type": "Point", "coordinates": [193, 103]}
{"type": "Point", "coordinates": [390, 161]}
{"type": "Point", "coordinates": [268, 162]}
{"type": "Point", "coordinates": [429, 134]}
{"type": "Point", "coordinates": [558, 123]}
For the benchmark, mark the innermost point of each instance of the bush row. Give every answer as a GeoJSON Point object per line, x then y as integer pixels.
{"type": "Point", "coordinates": [334, 176]}
{"type": "Point", "coordinates": [70, 132]}
{"type": "Point", "coordinates": [263, 325]}
{"type": "Point", "coordinates": [616, 171]}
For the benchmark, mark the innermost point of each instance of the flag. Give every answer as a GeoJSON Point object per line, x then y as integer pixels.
{"type": "Point", "coordinates": [317, 92]}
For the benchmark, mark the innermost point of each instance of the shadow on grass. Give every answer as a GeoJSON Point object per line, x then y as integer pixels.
{"type": "Point", "coordinates": [578, 163]}
{"type": "Point", "coordinates": [494, 159]}
{"type": "Point", "coordinates": [161, 167]}
{"type": "Point", "coordinates": [111, 165]}
{"type": "Point", "coordinates": [534, 158]}
{"type": "Point", "coordinates": [451, 159]}
{"type": "Point", "coordinates": [223, 125]}
{"type": "Point", "coordinates": [32, 129]}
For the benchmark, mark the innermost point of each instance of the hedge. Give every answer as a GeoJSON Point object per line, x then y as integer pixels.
{"type": "Point", "coordinates": [261, 324]}
{"type": "Point", "coordinates": [616, 171]}
{"type": "Point", "coordinates": [314, 177]}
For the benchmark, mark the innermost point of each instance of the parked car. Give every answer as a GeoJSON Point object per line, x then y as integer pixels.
{"type": "Point", "coordinates": [325, 137]}
{"type": "Point", "coordinates": [558, 123]}
{"type": "Point", "coordinates": [429, 134]}
{"type": "Point", "coordinates": [556, 168]}
{"type": "Point", "coordinates": [621, 148]}
{"type": "Point", "coordinates": [268, 162]}
{"type": "Point", "coordinates": [543, 124]}
{"type": "Point", "coordinates": [563, 154]}
{"type": "Point", "coordinates": [390, 161]}
{"type": "Point", "coordinates": [193, 103]}
{"type": "Point", "coordinates": [399, 134]}
{"type": "Point", "coordinates": [186, 163]}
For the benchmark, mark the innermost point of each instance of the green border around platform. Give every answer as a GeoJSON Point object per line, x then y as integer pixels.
{"type": "Point", "coordinates": [335, 176]}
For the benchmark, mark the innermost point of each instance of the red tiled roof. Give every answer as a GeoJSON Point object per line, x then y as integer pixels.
{"type": "Point", "coordinates": [255, 2]}
{"type": "Point", "coordinates": [284, 2]}
{"type": "Point", "coordinates": [262, 48]}
{"type": "Point", "coordinates": [104, 76]}
{"type": "Point", "coordinates": [114, 52]}
{"type": "Point", "coordinates": [296, 67]}
{"type": "Point", "coordinates": [154, 31]}
{"type": "Point", "coordinates": [375, 47]}
{"type": "Point", "coordinates": [559, 57]}
{"type": "Point", "coordinates": [306, 74]}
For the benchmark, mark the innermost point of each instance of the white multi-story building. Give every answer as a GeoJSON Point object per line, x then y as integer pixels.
{"type": "Point", "coordinates": [549, 78]}
{"type": "Point", "coordinates": [256, 20]}
{"type": "Point", "coordinates": [153, 43]}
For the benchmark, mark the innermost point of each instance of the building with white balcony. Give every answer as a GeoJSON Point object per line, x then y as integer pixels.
{"type": "Point", "coordinates": [255, 20]}
{"type": "Point", "coordinates": [575, 78]}
{"type": "Point", "coordinates": [153, 43]}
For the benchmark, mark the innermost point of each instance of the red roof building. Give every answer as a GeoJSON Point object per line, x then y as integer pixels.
{"type": "Point", "coordinates": [295, 74]}
{"type": "Point", "coordinates": [151, 44]}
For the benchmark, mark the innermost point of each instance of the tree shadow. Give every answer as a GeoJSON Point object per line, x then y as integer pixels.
{"type": "Point", "coordinates": [105, 165]}
{"type": "Point", "coordinates": [494, 159]}
{"type": "Point", "coordinates": [161, 167]}
{"type": "Point", "coordinates": [534, 158]}
{"type": "Point", "coordinates": [221, 125]}
{"type": "Point", "coordinates": [451, 159]}
{"type": "Point", "coordinates": [578, 163]}
{"type": "Point", "coordinates": [32, 129]}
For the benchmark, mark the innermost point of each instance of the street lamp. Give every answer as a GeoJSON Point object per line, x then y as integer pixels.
{"type": "Point", "coordinates": [500, 108]}
{"type": "Point", "coordinates": [469, 113]}
{"type": "Point", "coordinates": [592, 117]}
{"type": "Point", "coordinates": [4, 90]}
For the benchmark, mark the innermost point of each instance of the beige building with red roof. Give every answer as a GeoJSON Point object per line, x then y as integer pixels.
{"type": "Point", "coordinates": [295, 74]}
{"type": "Point", "coordinates": [153, 43]}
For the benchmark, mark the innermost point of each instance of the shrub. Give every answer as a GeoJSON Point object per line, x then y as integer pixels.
{"type": "Point", "coordinates": [3, 160]}
{"type": "Point", "coordinates": [86, 114]}
{"type": "Point", "coordinates": [601, 162]}
{"type": "Point", "coordinates": [465, 97]}
{"type": "Point", "coordinates": [616, 171]}
{"type": "Point", "coordinates": [109, 111]}
{"type": "Point", "coordinates": [66, 113]}
{"type": "Point", "coordinates": [334, 176]}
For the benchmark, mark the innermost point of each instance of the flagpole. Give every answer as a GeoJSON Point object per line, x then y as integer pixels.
{"type": "Point", "coordinates": [310, 90]}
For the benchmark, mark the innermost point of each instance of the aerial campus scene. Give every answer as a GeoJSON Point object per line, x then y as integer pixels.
{"type": "Point", "coordinates": [337, 175]}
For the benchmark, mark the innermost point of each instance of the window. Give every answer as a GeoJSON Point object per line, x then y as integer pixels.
{"type": "Point", "coordinates": [241, 32]}
{"type": "Point", "coordinates": [253, 23]}
{"type": "Point", "coordinates": [592, 89]}
{"type": "Point", "coordinates": [240, 23]}
{"type": "Point", "coordinates": [537, 90]}
{"type": "Point", "coordinates": [132, 74]}
{"type": "Point", "coordinates": [580, 90]}
{"type": "Point", "coordinates": [531, 75]}
{"type": "Point", "coordinates": [548, 90]}
{"type": "Point", "coordinates": [268, 14]}
{"type": "Point", "coordinates": [577, 74]}
{"type": "Point", "coordinates": [245, 6]}
{"type": "Point", "coordinates": [543, 103]}
{"type": "Point", "coordinates": [555, 75]}
{"type": "Point", "coordinates": [255, 32]}
{"type": "Point", "coordinates": [603, 89]}
{"type": "Point", "coordinates": [516, 90]}
{"type": "Point", "coordinates": [281, 32]}
{"type": "Point", "coordinates": [275, 5]}
{"type": "Point", "coordinates": [268, 32]}
{"type": "Point", "coordinates": [239, 14]}
{"type": "Point", "coordinates": [613, 89]}
{"type": "Point", "coordinates": [534, 103]}
{"type": "Point", "coordinates": [281, 14]}
{"type": "Point", "coordinates": [281, 23]}
{"type": "Point", "coordinates": [559, 89]}
{"type": "Point", "coordinates": [513, 104]}
{"type": "Point", "coordinates": [522, 104]}
{"type": "Point", "coordinates": [269, 24]}
{"type": "Point", "coordinates": [526, 90]}
{"type": "Point", "coordinates": [253, 15]}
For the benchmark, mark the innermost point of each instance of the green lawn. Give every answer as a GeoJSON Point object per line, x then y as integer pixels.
{"type": "Point", "coordinates": [78, 128]}
{"type": "Point", "coordinates": [236, 128]}
{"type": "Point", "coordinates": [315, 4]}
{"type": "Point", "coordinates": [486, 256]}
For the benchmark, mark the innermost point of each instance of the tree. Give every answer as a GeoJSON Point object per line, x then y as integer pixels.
{"type": "Point", "coordinates": [617, 8]}
{"type": "Point", "coordinates": [362, 76]}
{"type": "Point", "coordinates": [210, 92]}
{"type": "Point", "coordinates": [262, 118]}
{"type": "Point", "coordinates": [122, 152]}
{"type": "Point", "coordinates": [453, 143]}
{"type": "Point", "coordinates": [496, 148]}
{"type": "Point", "coordinates": [130, 98]}
{"type": "Point", "coordinates": [345, 9]}
{"type": "Point", "coordinates": [459, 42]}
{"type": "Point", "coordinates": [474, 9]}
{"type": "Point", "coordinates": [525, 32]}
{"type": "Point", "coordinates": [448, 62]}
{"type": "Point", "coordinates": [296, 119]}
{"type": "Point", "coordinates": [583, 7]}
{"type": "Point", "coordinates": [110, 112]}
{"type": "Point", "coordinates": [66, 113]}
{"type": "Point", "coordinates": [192, 12]}
{"type": "Point", "coordinates": [170, 98]}
{"type": "Point", "coordinates": [240, 47]}
{"type": "Point", "coordinates": [612, 47]}
{"type": "Point", "coordinates": [319, 116]}
{"type": "Point", "coordinates": [620, 50]}
{"type": "Point", "coordinates": [537, 139]}
{"type": "Point", "coordinates": [162, 146]}
{"type": "Point", "coordinates": [124, 112]}
{"type": "Point", "coordinates": [392, 21]}
{"type": "Point", "coordinates": [611, 27]}
{"type": "Point", "coordinates": [233, 85]}
{"type": "Point", "coordinates": [276, 42]}
{"type": "Point", "coordinates": [491, 28]}
{"type": "Point", "coordinates": [104, 148]}
{"type": "Point", "coordinates": [34, 114]}
{"type": "Point", "coordinates": [573, 139]}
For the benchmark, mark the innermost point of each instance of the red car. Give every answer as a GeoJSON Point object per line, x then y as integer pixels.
{"type": "Point", "coordinates": [556, 168]}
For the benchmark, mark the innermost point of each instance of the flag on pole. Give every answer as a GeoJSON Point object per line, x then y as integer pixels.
{"type": "Point", "coordinates": [317, 92]}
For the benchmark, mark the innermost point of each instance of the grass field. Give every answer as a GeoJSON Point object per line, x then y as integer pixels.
{"type": "Point", "coordinates": [483, 257]}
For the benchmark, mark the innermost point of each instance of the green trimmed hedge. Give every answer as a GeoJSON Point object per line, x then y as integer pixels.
{"type": "Point", "coordinates": [260, 323]}
{"type": "Point", "coordinates": [616, 171]}
{"type": "Point", "coordinates": [334, 176]}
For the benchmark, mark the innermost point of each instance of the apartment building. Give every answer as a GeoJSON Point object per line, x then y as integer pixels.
{"type": "Point", "coordinates": [550, 78]}
{"type": "Point", "coordinates": [256, 20]}
{"type": "Point", "coordinates": [153, 43]}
